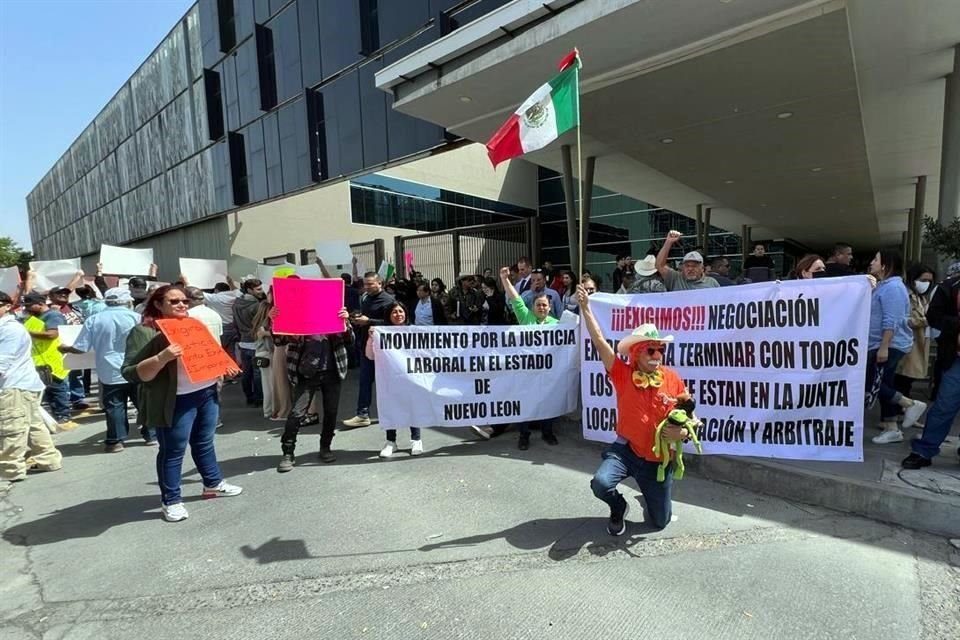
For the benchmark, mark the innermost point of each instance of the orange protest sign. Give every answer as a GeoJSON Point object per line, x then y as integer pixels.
{"type": "Point", "coordinates": [203, 358]}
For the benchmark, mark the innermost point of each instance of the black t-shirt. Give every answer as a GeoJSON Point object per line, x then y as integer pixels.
{"type": "Point", "coordinates": [752, 261]}
{"type": "Point", "coordinates": [835, 270]}
{"type": "Point", "coordinates": [374, 307]}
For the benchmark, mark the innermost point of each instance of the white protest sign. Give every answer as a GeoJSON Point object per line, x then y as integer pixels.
{"type": "Point", "coordinates": [266, 272]}
{"type": "Point", "coordinates": [75, 361]}
{"type": "Point", "coordinates": [310, 272]}
{"type": "Point", "coordinates": [203, 274]}
{"type": "Point", "coordinates": [777, 369]}
{"type": "Point", "coordinates": [9, 280]}
{"type": "Point", "coordinates": [54, 273]}
{"type": "Point", "coordinates": [334, 252]}
{"type": "Point", "coordinates": [462, 376]}
{"type": "Point", "coordinates": [125, 261]}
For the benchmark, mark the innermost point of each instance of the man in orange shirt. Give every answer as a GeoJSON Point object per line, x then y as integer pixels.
{"type": "Point", "coordinates": [646, 393]}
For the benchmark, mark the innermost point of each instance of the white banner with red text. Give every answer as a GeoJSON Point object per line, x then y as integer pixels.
{"type": "Point", "coordinates": [464, 375]}
{"type": "Point", "coordinates": [777, 369]}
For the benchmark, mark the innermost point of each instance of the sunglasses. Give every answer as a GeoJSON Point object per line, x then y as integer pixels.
{"type": "Point", "coordinates": [176, 301]}
{"type": "Point", "coordinates": [651, 351]}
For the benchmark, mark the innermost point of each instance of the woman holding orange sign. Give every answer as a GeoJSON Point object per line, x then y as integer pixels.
{"type": "Point", "coordinates": [178, 393]}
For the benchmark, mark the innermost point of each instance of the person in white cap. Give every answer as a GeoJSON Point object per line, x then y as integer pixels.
{"type": "Point", "coordinates": [692, 276]}
{"type": "Point", "coordinates": [648, 278]}
{"type": "Point", "coordinates": [646, 393]}
{"type": "Point", "coordinates": [106, 334]}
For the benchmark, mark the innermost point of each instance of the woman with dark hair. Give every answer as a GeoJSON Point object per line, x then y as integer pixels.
{"type": "Point", "coordinates": [808, 267]}
{"type": "Point", "coordinates": [494, 304]}
{"type": "Point", "coordinates": [182, 411]}
{"type": "Point", "coordinates": [396, 317]}
{"type": "Point", "coordinates": [88, 304]}
{"type": "Point", "coordinates": [920, 279]}
{"type": "Point", "coordinates": [889, 340]}
{"type": "Point", "coordinates": [568, 291]}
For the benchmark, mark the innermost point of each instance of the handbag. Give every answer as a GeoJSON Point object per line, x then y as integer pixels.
{"type": "Point", "coordinates": [261, 362]}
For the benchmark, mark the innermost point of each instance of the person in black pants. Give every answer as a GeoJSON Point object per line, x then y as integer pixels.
{"type": "Point", "coordinates": [315, 364]}
{"type": "Point", "coordinates": [375, 306]}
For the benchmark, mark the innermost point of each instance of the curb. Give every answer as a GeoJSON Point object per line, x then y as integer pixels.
{"type": "Point", "coordinates": [916, 510]}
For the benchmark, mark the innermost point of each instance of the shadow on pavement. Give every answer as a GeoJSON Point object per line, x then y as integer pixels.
{"type": "Point", "coordinates": [277, 550]}
{"type": "Point", "coordinates": [85, 520]}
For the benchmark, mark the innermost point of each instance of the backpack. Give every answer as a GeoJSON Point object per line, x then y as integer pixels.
{"type": "Point", "coordinates": [312, 359]}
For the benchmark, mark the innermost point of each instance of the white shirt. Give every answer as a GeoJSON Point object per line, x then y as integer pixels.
{"type": "Point", "coordinates": [222, 303]}
{"type": "Point", "coordinates": [424, 313]}
{"type": "Point", "coordinates": [16, 357]}
{"type": "Point", "coordinates": [210, 318]}
{"type": "Point", "coordinates": [184, 386]}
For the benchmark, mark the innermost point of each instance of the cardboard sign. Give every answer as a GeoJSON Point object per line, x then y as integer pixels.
{"type": "Point", "coordinates": [334, 252]}
{"type": "Point", "coordinates": [10, 281]}
{"type": "Point", "coordinates": [307, 307]}
{"type": "Point", "coordinates": [203, 274]}
{"type": "Point", "coordinates": [125, 261]}
{"type": "Point", "coordinates": [54, 273]}
{"type": "Point", "coordinates": [203, 358]}
{"type": "Point", "coordinates": [408, 261]}
{"type": "Point", "coordinates": [75, 361]}
{"type": "Point", "coordinates": [309, 271]}
{"type": "Point", "coordinates": [267, 272]}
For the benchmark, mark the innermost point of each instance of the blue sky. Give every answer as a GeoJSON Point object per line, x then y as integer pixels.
{"type": "Point", "coordinates": [60, 62]}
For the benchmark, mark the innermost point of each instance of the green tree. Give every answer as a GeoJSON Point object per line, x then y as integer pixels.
{"type": "Point", "coordinates": [13, 255]}
{"type": "Point", "coordinates": [944, 239]}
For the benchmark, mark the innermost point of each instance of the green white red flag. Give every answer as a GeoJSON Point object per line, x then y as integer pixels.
{"type": "Point", "coordinates": [553, 109]}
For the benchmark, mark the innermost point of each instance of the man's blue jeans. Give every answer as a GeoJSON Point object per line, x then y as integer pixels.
{"type": "Point", "coordinates": [368, 375]}
{"type": "Point", "coordinates": [941, 415]}
{"type": "Point", "coordinates": [114, 401]}
{"type": "Point", "coordinates": [195, 419]}
{"type": "Point", "coordinates": [251, 381]}
{"type": "Point", "coordinates": [58, 396]}
{"type": "Point", "coordinates": [619, 461]}
{"type": "Point", "coordinates": [78, 392]}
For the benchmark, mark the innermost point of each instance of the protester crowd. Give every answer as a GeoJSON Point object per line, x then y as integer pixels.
{"type": "Point", "coordinates": [297, 380]}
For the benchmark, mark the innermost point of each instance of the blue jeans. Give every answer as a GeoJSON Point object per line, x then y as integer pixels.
{"type": "Point", "coordinates": [195, 419]}
{"type": "Point", "coordinates": [392, 434]}
{"type": "Point", "coordinates": [77, 391]}
{"type": "Point", "coordinates": [57, 396]}
{"type": "Point", "coordinates": [889, 396]}
{"type": "Point", "coordinates": [251, 381]}
{"type": "Point", "coordinates": [619, 461]}
{"type": "Point", "coordinates": [114, 401]}
{"type": "Point", "coordinates": [368, 376]}
{"type": "Point", "coordinates": [941, 415]}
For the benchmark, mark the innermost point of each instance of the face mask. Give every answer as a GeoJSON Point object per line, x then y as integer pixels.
{"type": "Point", "coordinates": [921, 286]}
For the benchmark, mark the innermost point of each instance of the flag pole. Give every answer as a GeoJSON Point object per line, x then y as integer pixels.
{"type": "Point", "coordinates": [580, 248]}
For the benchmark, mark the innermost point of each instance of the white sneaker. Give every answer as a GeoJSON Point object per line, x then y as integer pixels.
{"type": "Point", "coordinates": [889, 437]}
{"type": "Point", "coordinates": [388, 449]}
{"type": "Point", "coordinates": [174, 512]}
{"type": "Point", "coordinates": [357, 421]}
{"type": "Point", "coordinates": [222, 490]}
{"type": "Point", "coordinates": [416, 447]}
{"type": "Point", "coordinates": [912, 413]}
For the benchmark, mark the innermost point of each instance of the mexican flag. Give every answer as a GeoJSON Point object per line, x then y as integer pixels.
{"type": "Point", "coordinates": [553, 109]}
{"type": "Point", "coordinates": [386, 270]}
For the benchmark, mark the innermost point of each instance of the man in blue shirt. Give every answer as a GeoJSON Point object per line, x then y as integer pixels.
{"type": "Point", "coordinates": [538, 286]}
{"type": "Point", "coordinates": [106, 334]}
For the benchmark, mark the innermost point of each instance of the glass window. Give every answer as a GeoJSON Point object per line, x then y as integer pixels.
{"type": "Point", "coordinates": [256, 162]}
{"type": "Point", "coordinates": [226, 25]}
{"type": "Point", "coordinates": [309, 21]}
{"type": "Point", "coordinates": [228, 88]}
{"type": "Point", "coordinates": [373, 116]}
{"type": "Point", "coordinates": [243, 19]}
{"type": "Point", "coordinates": [369, 26]}
{"type": "Point", "coordinates": [316, 122]}
{"type": "Point", "coordinates": [214, 98]}
{"type": "Point", "coordinates": [271, 143]}
{"type": "Point", "coordinates": [238, 169]}
{"type": "Point", "coordinates": [294, 146]}
{"type": "Point", "coordinates": [341, 101]}
{"type": "Point", "coordinates": [248, 81]}
{"type": "Point", "coordinates": [209, 37]}
{"type": "Point", "coordinates": [267, 69]}
{"type": "Point", "coordinates": [286, 47]}
{"type": "Point", "coordinates": [339, 35]}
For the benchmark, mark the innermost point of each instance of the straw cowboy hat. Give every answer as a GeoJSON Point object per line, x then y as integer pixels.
{"type": "Point", "coordinates": [644, 333]}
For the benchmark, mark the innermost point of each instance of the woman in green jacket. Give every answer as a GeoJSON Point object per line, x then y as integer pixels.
{"type": "Point", "coordinates": [181, 411]}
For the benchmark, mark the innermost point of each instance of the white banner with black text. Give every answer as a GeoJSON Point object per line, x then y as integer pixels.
{"type": "Point", "coordinates": [464, 375]}
{"type": "Point", "coordinates": [777, 369]}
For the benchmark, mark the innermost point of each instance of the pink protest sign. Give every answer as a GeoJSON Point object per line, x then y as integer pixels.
{"type": "Point", "coordinates": [307, 307]}
{"type": "Point", "coordinates": [408, 261]}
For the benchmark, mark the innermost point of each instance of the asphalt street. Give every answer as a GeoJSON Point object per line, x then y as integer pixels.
{"type": "Point", "coordinates": [474, 539]}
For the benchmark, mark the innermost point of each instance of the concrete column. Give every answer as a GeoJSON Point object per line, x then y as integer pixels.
{"type": "Point", "coordinates": [919, 213]}
{"type": "Point", "coordinates": [950, 152]}
{"type": "Point", "coordinates": [567, 179]}
{"type": "Point", "coordinates": [744, 244]}
{"type": "Point", "coordinates": [699, 223]}
{"type": "Point", "coordinates": [907, 248]}
{"type": "Point", "coordinates": [588, 173]}
{"type": "Point", "coordinates": [706, 230]}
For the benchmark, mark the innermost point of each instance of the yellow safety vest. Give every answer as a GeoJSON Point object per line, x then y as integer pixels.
{"type": "Point", "coordinates": [45, 350]}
